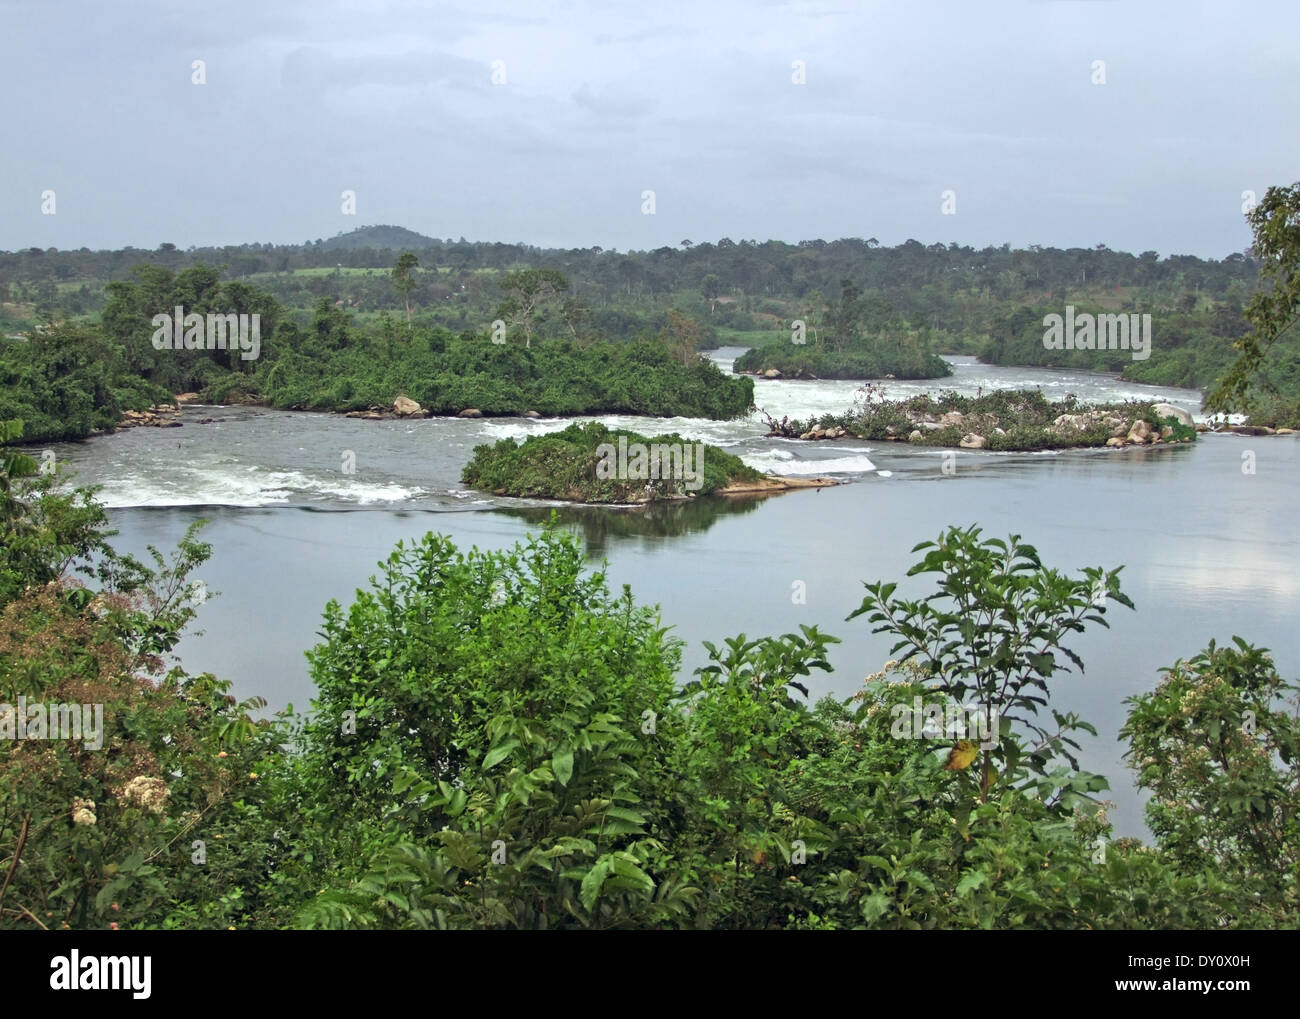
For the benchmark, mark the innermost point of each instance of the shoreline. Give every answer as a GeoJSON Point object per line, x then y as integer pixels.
{"type": "Point", "coordinates": [169, 416]}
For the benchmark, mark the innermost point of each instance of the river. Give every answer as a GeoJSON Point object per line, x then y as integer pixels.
{"type": "Point", "coordinates": [1208, 550]}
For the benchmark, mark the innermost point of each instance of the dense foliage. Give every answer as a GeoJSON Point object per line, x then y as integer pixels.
{"type": "Point", "coordinates": [863, 337]}
{"type": "Point", "coordinates": [1265, 375]}
{"type": "Point", "coordinates": [501, 741]}
{"type": "Point", "coordinates": [866, 310]}
{"type": "Point", "coordinates": [70, 379]}
{"type": "Point", "coordinates": [141, 825]}
{"type": "Point", "coordinates": [565, 465]}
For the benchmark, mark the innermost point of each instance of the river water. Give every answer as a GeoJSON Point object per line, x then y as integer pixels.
{"type": "Point", "coordinates": [1208, 549]}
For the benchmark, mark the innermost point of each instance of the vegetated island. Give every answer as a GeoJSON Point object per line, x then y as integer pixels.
{"type": "Point", "coordinates": [786, 360]}
{"type": "Point", "coordinates": [589, 463]}
{"type": "Point", "coordinates": [1009, 420]}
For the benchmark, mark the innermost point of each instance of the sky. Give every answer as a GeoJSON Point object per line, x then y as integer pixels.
{"type": "Point", "coordinates": [1137, 125]}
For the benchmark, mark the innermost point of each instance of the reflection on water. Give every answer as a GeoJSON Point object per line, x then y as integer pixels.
{"type": "Point", "coordinates": [599, 526]}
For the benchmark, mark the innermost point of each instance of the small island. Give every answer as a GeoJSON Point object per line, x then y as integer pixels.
{"type": "Point", "coordinates": [589, 463]}
{"type": "Point", "coordinates": [1002, 421]}
{"type": "Point", "coordinates": [783, 360]}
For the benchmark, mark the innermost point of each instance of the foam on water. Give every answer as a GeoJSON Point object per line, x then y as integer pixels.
{"type": "Point", "coordinates": [221, 485]}
{"type": "Point", "coordinates": [833, 465]}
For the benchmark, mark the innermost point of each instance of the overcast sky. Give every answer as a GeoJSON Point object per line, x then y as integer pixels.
{"type": "Point", "coordinates": [602, 101]}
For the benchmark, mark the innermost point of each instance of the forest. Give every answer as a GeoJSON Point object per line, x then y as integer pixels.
{"type": "Point", "coordinates": [848, 308]}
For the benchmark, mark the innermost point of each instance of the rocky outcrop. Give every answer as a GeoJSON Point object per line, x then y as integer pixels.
{"type": "Point", "coordinates": [1139, 432]}
{"type": "Point", "coordinates": [1168, 410]}
{"type": "Point", "coordinates": [1073, 423]}
{"type": "Point", "coordinates": [161, 416]}
{"type": "Point", "coordinates": [1250, 430]}
{"type": "Point", "coordinates": [773, 483]}
{"type": "Point", "coordinates": [825, 433]}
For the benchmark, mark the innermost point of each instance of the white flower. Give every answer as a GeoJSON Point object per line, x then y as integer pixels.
{"type": "Point", "coordinates": [83, 811]}
{"type": "Point", "coordinates": [147, 792]}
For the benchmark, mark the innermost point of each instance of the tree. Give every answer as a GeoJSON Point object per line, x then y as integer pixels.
{"type": "Point", "coordinates": [844, 319]}
{"type": "Point", "coordinates": [709, 288]}
{"type": "Point", "coordinates": [682, 336]}
{"type": "Point", "coordinates": [815, 300]}
{"type": "Point", "coordinates": [1221, 756]}
{"type": "Point", "coordinates": [527, 292]}
{"type": "Point", "coordinates": [1275, 308]}
{"type": "Point", "coordinates": [404, 280]}
{"type": "Point", "coordinates": [995, 631]}
{"type": "Point", "coordinates": [577, 316]}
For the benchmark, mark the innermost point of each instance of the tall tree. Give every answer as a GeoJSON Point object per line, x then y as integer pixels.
{"type": "Point", "coordinates": [844, 317]}
{"type": "Point", "coordinates": [682, 336]}
{"type": "Point", "coordinates": [527, 292]}
{"type": "Point", "coordinates": [404, 279]}
{"type": "Point", "coordinates": [709, 288]}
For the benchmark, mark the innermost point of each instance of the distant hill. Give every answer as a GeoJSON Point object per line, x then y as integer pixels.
{"type": "Point", "coordinates": [393, 237]}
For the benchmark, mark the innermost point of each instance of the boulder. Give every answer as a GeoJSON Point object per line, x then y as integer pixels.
{"type": "Point", "coordinates": [772, 373]}
{"type": "Point", "coordinates": [1250, 430]}
{"type": "Point", "coordinates": [532, 414]}
{"type": "Point", "coordinates": [186, 397]}
{"type": "Point", "coordinates": [953, 417]}
{"type": "Point", "coordinates": [915, 436]}
{"type": "Point", "coordinates": [405, 407]}
{"type": "Point", "coordinates": [1286, 431]}
{"type": "Point", "coordinates": [1168, 410]}
{"type": "Point", "coordinates": [1000, 431]}
{"type": "Point", "coordinates": [1072, 422]}
{"type": "Point", "coordinates": [1139, 432]}
{"type": "Point", "coordinates": [1116, 442]}
{"type": "Point", "coordinates": [470, 412]}
{"type": "Point", "coordinates": [1166, 432]}
{"type": "Point", "coordinates": [973, 441]}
